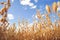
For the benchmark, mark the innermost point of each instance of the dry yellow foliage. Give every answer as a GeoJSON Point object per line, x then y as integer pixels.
{"type": "Point", "coordinates": [40, 30]}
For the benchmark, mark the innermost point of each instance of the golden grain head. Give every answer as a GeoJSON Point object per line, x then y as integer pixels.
{"type": "Point", "coordinates": [47, 8]}
{"type": "Point", "coordinates": [54, 6]}
{"type": "Point", "coordinates": [58, 3]}
{"type": "Point", "coordinates": [38, 14]}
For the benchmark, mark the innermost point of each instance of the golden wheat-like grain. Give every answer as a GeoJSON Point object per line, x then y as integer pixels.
{"type": "Point", "coordinates": [38, 14]}
{"type": "Point", "coordinates": [37, 31]}
{"type": "Point", "coordinates": [58, 3]}
{"type": "Point", "coordinates": [48, 9]}
{"type": "Point", "coordinates": [54, 6]}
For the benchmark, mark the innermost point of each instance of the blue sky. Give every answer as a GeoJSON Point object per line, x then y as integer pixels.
{"type": "Point", "coordinates": [27, 8]}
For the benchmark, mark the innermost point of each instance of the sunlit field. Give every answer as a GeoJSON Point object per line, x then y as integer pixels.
{"type": "Point", "coordinates": [40, 29]}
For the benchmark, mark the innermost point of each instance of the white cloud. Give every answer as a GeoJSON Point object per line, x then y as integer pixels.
{"type": "Point", "coordinates": [27, 3]}
{"type": "Point", "coordinates": [31, 4]}
{"type": "Point", "coordinates": [12, 0]}
{"type": "Point", "coordinates": [36, 0]}
{"type": "Point", "coordinates": [34, 6]}
{"type": "Point", "coordinates": [10, 16]}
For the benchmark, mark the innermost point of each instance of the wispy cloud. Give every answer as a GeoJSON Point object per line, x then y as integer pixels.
{"type": "Point", "coordinates": [34, 6]}
{"type": "Point", "coordinates": [12, 0]}
{"type": "Point", "coordinates": [10, 16]}
{"type": "Point", "coordinates": [36, 1]}
{"type": "Point", "coordinates": [27, 3]}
